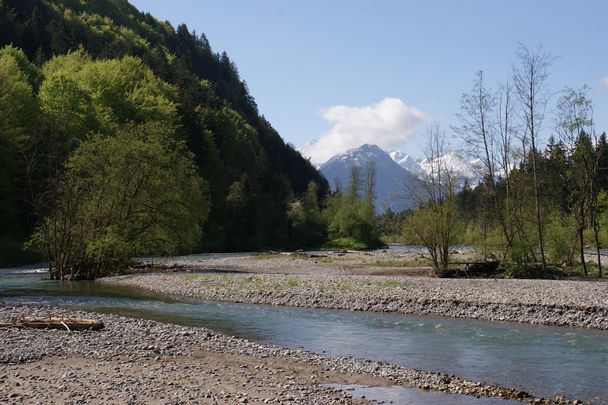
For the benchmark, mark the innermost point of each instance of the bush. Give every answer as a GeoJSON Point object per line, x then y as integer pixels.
{"type": "Point", "coordinates": [559, 237]}
{"type": "Point", "coordinates": [345, 243]}
{"type": "Point", "coordinates": [355, 220]}
{"type": "Point", "coordinates": [133, 194]}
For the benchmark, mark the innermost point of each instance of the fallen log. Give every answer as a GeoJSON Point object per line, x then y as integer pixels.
{"type": "Point", "coordinates": [42, 322]}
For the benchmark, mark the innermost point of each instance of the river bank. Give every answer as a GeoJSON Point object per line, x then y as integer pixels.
{"type": "Point", "coordinates": [348, 284]}
{"type": "Point", "coordinates": [140, 361]}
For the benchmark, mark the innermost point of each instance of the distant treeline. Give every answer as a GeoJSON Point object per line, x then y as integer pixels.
{"type": "Point", "coordinates": [537, 207]}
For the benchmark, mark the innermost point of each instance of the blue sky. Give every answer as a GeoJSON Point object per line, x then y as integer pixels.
{"type": "Point", "coordinates": [353, 71]}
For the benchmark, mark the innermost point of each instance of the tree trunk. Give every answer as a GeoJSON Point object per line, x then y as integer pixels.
{"type": "Point", "coordinates": [539, 224]}
{"type": "Point", "coordinates": [581, 240]}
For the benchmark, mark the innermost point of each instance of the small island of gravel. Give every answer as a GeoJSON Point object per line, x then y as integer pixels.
{"type": "Point", "coordinates": [364, 282]}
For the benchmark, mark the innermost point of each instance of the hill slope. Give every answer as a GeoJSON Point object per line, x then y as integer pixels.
{"type": "Point", "coordinates": [237, 151]}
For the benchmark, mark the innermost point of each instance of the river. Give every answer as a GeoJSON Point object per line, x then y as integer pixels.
{"type": "Point", "coordinates": [545, 361]}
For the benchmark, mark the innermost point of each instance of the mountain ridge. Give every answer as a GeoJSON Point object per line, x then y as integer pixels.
{"type": "Point", "coordinates": [394, 184]}
{"type": "Point", "coordinates": [400, 177]}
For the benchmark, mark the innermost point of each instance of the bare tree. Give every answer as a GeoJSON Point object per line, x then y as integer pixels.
{"type": "Point", "coordinates": [370, 181]}
{"type": "Point", "coordinates": [433, 224]}
{"type": "Point", "coordinates": [530, 84]}
{"type": "Point", "coordinates": [478, 129]}
{"type": "Point", "coordinates": [506, 133]}
{"type": "Point", "coordinates": [354, 185]}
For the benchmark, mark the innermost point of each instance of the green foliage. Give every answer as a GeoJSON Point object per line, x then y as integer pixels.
{"type": "Point", "coordinates": [352, 219]}
{"type": "Point", "coordinates": [104, 94]}
{"type": "Point", "coordinates": [308, 225]}
{"type": "Point", "coordinates": [132, 194]}
{"type": "Point", "coordinates": [488, 239]}
{"type": "Point", "coordinates": [345, 243]}
{"type": "Point", "coordinates": [67, 107]}
{"type": "Point", "coordinates": [17, 101]}
{"type": "Point", "coordinates": [106, 66]}
{"type": "Point", "coordinates": [390, 226]}
{"type": "Point", "coordinates": [17, 122]}
{"type": "Point", "coordinates": [435, 227]}
{"type": "Point", "coordinates": [27, 70]}
{"type": "Point", "coordinates": [559, 238]}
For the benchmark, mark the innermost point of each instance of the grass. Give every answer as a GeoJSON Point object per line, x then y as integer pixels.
{"type": "Point", "coordinates": [345, 243]}
{"type": "Point", "coordinates": [553, 271]}
{"type": "Point", "coordinates": [190, 276]}
{"type": "Point", "coordinates": [392, 283]}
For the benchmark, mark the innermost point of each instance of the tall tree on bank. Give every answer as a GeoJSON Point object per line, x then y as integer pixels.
{"type": "Point", "coordinates": [530, 76]}
{"type": "Point", "coordinates": [506, 131]}
{"type": "Point", "coordinates": [577, 134]}
{"type": "Point", "coordinates": [478, 131]}
{"type": "Point", "coordinates": [434, 224]}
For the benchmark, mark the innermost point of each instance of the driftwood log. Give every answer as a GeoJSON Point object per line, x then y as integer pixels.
{"type": "Point", "coordinates": [48, 322]}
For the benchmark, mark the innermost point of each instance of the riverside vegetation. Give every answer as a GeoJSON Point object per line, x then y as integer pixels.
{"type": "Point", "coordinates": [115, 124]}
{"type": "Point", "coordinates": [122, 136]}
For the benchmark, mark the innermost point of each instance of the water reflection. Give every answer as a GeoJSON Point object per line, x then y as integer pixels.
{"type": "Point", "coordinates": [403, 395]}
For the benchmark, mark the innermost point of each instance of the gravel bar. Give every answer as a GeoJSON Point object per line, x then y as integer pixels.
{"type": "Point", "coordinates": [544, 302]}
{"type": "Point", "coordinates": [140, 361]}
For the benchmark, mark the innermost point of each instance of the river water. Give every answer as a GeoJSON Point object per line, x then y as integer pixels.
{"type": "Point", "coordinates": [545, 361]}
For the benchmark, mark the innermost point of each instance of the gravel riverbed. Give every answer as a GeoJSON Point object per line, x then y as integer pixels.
{"type": "Point", "coordinates": [546, 302]}
{"type": "Point", "coordinates": [141, 361]}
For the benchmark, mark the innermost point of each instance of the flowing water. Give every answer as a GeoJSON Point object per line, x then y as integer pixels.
{"type": "Point", "coordinates": [545, 361]}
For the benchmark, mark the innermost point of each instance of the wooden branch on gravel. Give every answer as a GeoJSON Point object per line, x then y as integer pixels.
{"type": "Point", "coordinates": [55, 323]}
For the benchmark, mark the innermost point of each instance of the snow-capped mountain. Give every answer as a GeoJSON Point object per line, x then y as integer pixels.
{"type": "Point", "coordinates": [408, 162]}
{"type": "Point", "coordinates": [394, 184]}
{"type": "Point", "coordinates": [463, 169]}
{"type": "Point", "coordinates": [399, 176]}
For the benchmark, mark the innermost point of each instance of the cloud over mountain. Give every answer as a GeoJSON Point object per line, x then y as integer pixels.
{"type": "Point", "coordinates": [387, 124]}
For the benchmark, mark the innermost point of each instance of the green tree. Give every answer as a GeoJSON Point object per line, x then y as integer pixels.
{"type": "Point", "coordinates": [17, 122]}
{"type": "Point", "coordinates": [352, 216]}
{"type": "Point", "coordinates": [308, 226]}
{"type": "Point", "coordinates": [132, 194]}
{"type": "Point", "coordinates": [575, 126]}
{"type": "Point", "coordinates": [434, 223]}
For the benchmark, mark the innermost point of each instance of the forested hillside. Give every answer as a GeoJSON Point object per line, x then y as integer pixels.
{"type": "Point", "coordinates": [81, 78]}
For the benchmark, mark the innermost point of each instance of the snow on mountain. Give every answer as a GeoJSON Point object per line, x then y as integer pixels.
{"type": "Point", "coordinates": [407, 162]}
{"type": "Point", "coordinates": [398, 175]}
{"type": "Point", "coordinates": [394, 184]}
{"type": "Point", "coordinates": [463, 169]}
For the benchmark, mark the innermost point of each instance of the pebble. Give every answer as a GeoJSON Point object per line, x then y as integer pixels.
{"type": "Point", "coordinates": [545, 302]}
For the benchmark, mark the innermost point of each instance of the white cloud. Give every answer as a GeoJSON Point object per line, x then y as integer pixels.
{"type": "Point", "coordinates": [387, 124]}
{"type": "Point", "coordinates": [604, 82]}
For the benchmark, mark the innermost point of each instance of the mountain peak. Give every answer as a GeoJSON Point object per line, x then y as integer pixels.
{"type": "Point", "coordinates": [392, 180]}
{"type": "Point", "coordinates": [367, 147]}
